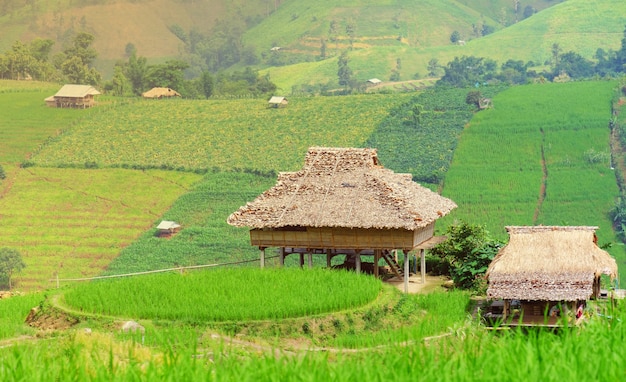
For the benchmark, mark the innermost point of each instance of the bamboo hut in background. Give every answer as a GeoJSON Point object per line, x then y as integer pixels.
{"type": "Point", "coordinates": [546, 266]}
{"type": "Point", "coordinates": [158, 93]}
{"type": "Point", "coordinates": [344, 202]}
{"type": "Point", "coordinates": [73, 96]}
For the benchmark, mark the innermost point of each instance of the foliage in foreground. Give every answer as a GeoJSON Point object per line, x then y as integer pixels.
{"type": "Point", "coordinates": [593, 351]}
{"type": "Point", "coordinates": [466, 254]}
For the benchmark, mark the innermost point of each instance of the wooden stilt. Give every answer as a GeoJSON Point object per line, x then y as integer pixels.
{"type": "Point", "coordinates": [357, 262]}
{"type": "Point", "coordinates": [406, 271]}
{"type": "Point", "coordinates": [423, 265]}
{"type": "Point", "coordinates": [262, 257]}
{"type": "Point", "coordinates": [310, 258]}
{"type": "Point", "coordinates": [281, 257]}
{"type": "Point", "coordinates": [328, 260]}
{"type": "Point", "coordinates": [301, 260]}
{"type": "Point", "coordinates": [376, 259]}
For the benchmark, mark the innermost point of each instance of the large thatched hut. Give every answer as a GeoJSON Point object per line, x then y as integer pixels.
{"type": "Point", "coordinates": [344, 202]}
{"type": "Point", "coordinates": [73, 96]}
{"type": "Point", "coordinates": [545, 266]}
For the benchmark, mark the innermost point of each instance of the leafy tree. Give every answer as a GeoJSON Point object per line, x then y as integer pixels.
{"type": "Point", "coordinates": [78, 60]}
{"type": "Point", "coordinates": [344, 72]}
{"type": "Point", "coordinates": [466, 253]}
{"type": "Point", "coordinates": [473, 98]}
{"type": "Point", "coordinates": [207, 83]}
{"type": "Point", "coordinates": [19, 60]}
{"type": "Point", "coordinates": [10, 263]}
{"type": "Point", "coordinates": [120, 85]}
{"type": "Point", "coordinates": [468, 71]}
{"type": "Point", "coordinates": [455, 37]}
{"type": "Point", "coordinates": [556, 54]}
{"type": "Point", "coordinates": [529, 11]}
{"type": "Point", "coordinates": [136, 72]}
{"type": "Point", "coordinates": [575, 65]}
{"type": "Point", "coordinates": [433, 67]}
{"type": "Point", "coordinates": [169, 75]}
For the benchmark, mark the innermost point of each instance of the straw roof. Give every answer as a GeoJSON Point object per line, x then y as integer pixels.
{"type": "Point", "coordinates": [160, 93]}
{"type": "Point", "coordinates": [343, 187]}
{"type": "Point", "coordinates": [76, 91]}
{"type": "Point", "coordinates": [548, 263]}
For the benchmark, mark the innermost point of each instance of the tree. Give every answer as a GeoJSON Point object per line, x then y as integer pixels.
{"type": "Point", "coordinates": [466, 253]}
{"type": "Point", "coordinates": [473, 98]}
{"type": "Point", "coordinates": [78, 60]}
{"type": "Point", "coordinates": [10, 263]}
{"type": "Point", "coordinates": [433, 67]}
{"type": "Point", "coordinates": [136, 71]}
{"type": "Point", "coordinates": [168, 75]}
{"type": "Point", "coordinates": [3, 175]}
{"type": "Point", "coordinates": [575, 65]}
{"type": "Point", "coordinates": [556, 52]}
{"type": "Point", "coordinates": [344, 72]}
{"type": "Point", "coordinates": [468, 71]}
{"type": "Point", "coordinates": [455, 37]}
{"type": "Point", "coordinates": [207, 83]}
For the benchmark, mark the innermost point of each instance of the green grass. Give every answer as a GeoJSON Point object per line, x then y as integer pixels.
{"type": "Point", "coordinates": [463, 353]}
{"type": "Point", "coordinates": [226, 294]}
{"type": "Point", "coordinates": [205, 238]}
{"type": "Point", "coordinates": [581, 26]}
{"type": "Point", "coordinates": [26, 121]}
{"type": "Point", "coordinates": [496, 176]}
{"type": "Point", "coordinates": [224, 134]}
{"type": "Point", "coordinates": [72, 223]}
{"type": "Point", "coordinates": [13, 312]}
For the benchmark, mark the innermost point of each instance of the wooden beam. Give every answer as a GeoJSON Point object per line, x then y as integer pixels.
{"type": "Point", "coordinates": [423, 265]}
{"type": "Point", "coordinates": [310, 258]}
{"type": "Point", "coordinates": [357, 262]}
{"type": "Point", "coordinates": [281, 257]}
{"type": "Point", "coordinates": [262, 257]}
{"type": "Point", "coordinates": [406, 271]}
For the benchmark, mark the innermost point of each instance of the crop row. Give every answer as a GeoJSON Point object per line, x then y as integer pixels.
{"type": "Point", "coordinates": [62, 226]}
{"type": "Point", "coordinates": [217, 134]}
{"type": "Point", "coordinates": [498, 176]}
{"type": "Point", "coordinates": [224, 295]}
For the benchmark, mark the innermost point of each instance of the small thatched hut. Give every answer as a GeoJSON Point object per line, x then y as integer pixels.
{"type": "Point", "coordinates": [74, 96]}
{"type": "Point", "coordinates": [277, 101]}
{"type": "Point", "coordinates": [344, 202]}
{"type": "Point", "coordinates": [167, 228]}
{"type": "Point", "coordinates": [158, 93]}
{"type": "Point", "coordinates": [542, 266]}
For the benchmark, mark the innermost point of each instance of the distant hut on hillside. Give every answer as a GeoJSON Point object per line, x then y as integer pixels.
{"type": "Point", "coordinates": [73, 96]}
{"type": "Point", "coordinates": [158, 93]}
{"type": "Point", "coordinates": [373, 82]}
{"type": "Point", "coordinates": [168, 228]}
{"type": "Point", "coordinates": [547, 268]}
{"type": "Point", "coordinates": [277, 101]}
{"type": "Point", "coordinates": [343, 202]}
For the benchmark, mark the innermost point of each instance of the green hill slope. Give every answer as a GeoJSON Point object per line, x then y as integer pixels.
{"type": "Point", "coordinates": [579, 25]}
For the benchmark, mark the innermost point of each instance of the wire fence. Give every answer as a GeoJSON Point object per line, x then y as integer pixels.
{"type": "Point", "coordinates": [176, 269]}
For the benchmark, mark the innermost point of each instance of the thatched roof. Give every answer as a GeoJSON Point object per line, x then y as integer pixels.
{"type": "Point", "coordinates": [276, 100]}
{"type": "Point", "coordinates": [76, 91]}
{"type": "Point", "coordinates": [160, 93]}
{"type": "Point", "coordinates": [548, 263]}
{"type": "Point", "coordinates": [343, 187]}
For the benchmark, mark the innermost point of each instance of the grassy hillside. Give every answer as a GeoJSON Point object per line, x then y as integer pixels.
{"type": "Point", "coordinates": [73, 223]}
{"type": "Point", "coordinates": [541, 156]}
{"type": "Point", "coordinates": [579, 25]}
{"type": "Point", "coordinates": [221, 134]}
{"type": "Point", "coordinates": [115, 23]}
